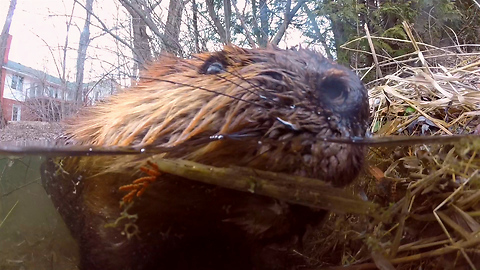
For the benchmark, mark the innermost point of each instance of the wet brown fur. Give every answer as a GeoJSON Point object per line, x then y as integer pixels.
{"type": "Point", "coordinates": [275, 105]}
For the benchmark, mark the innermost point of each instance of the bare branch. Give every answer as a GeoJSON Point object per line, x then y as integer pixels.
{"type": "Point", "coordinates": [146, 17]}
{"type": "Point", "coordinates": [320, 37]}
{"type": "Point", "coordinates": [244, 26]}
{"type": "Point", "coordinates": [287, 20]}
{"type": "Point", "coordinates": [105, 28]}
{"type": "Point", "coordinates": [216, 21]}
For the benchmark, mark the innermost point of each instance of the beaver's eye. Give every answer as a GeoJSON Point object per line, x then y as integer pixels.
{"type": "Point", "coordinates": [215, 68]}
{"type": "Point", "coordinates": [272, 74]}
{"type": "Point", "coordinates": [335, 89]}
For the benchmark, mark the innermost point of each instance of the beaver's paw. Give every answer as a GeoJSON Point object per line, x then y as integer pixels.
{"type": "Point", "coordinates": [138, 187]}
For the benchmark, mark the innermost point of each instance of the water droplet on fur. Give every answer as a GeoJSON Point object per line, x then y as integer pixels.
{"type": "Point", "coordinates": [217, 137]}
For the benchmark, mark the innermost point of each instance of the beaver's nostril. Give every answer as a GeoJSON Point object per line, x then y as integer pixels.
{"type": "Point", "coordinates": [334, 89]}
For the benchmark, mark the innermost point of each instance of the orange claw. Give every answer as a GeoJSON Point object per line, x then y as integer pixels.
{"type": "Point", "coordinates": [145, 179]}
{"type": "Point", "coordinates": [139, 186]}
{"type": "Point", "coordinates": [129, 197]}
{"type": "Point", "coordinates": [128, 187]}
{"type": "Point", "coordinates": [141, 191]}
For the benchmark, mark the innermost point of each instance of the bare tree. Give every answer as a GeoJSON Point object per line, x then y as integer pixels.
{"type": "Point", "coordinates": [172, 27]}
{"type": "Point", "coordinates": [287, 19]}
{"type": "Point", "coordinates": [82, 52]}
{"type": "Point", "coordinates": [3, 47]}
{"type": "Point", "coordinates": [263, 31]}
{"type": "Point", "coordinates": [320, 37]}
{"type": "Point", "coordinates": [243, 24]}
{"type": "Point", "coordinates": [195, 26]}
{"type": "Point", "coordinates": [227, 7]}
{"type": "Point", "coordinates": [216, 21]}
{"type": "Point", "coordinates": [142, 51]}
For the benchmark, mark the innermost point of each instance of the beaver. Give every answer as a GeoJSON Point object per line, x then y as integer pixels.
{"type": "Point", "coordinates": [275, 105]}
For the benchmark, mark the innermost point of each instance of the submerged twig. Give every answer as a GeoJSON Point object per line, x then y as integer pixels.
{"type": "Point", "coordinates": [293, 189]}
{"type": "Point", "coordinates": [8, 214]}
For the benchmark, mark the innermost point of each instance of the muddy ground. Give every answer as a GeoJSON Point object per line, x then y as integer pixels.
{"type": "Point", "coordinates": [29, 131]}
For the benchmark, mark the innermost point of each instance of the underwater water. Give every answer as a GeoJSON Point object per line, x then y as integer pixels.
{"type": "Point", "coordinates": [32, 233]}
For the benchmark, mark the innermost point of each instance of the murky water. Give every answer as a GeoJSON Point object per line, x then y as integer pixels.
{"type": "Point", "coordinates": [32, 233]}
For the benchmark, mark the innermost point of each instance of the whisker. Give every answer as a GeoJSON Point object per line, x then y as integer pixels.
{"type": "Point", "coordinates": [244, 88]}
{"type": "Point", "coordinates": [266, 95]}
{"type": "Point", "coordinates": [361, 141]}
{"type": "Point", "coordinates": [401, 140]}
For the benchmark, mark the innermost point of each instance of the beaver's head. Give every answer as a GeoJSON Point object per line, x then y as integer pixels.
{"type": "Point", "coordinates": [273, 108]}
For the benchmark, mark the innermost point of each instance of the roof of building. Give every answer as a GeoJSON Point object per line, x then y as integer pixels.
{"type": "Point", "coordinates": [43, 76]}
{"type": "Point", "coordinates": [34, 73]}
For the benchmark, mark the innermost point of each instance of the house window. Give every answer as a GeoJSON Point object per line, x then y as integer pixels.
{"type": "Point", "coordinates": [39, 90]}
{"type": "Point", "coordinates": [17, 82]}
{"type": "Point", "coordinates": [52, 92]}
{"type": "Point", "coordinates": [16, 111]}
{"type": "Point", "coordinates": [34, 89]}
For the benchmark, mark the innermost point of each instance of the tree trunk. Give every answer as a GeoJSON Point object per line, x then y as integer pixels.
{"type": "Point", "coordinates": [227, 7]}
{"type": "Point", "coordinates": [216, 21]}
{"type": "Point", "coordinates": [263, 23]}
{"type": "Point", "coordinates": [195, 26]}
{"type": "Point", "coordinates": [172, 27]}
{"type": "Point", "coordinates": [256, 29]}
{"type": "Point", "coordinates": [142, 52]}
{"type": "Point", "coordinates": [3, 47]}
{"type": "Point", "coordinates": [82, 53]}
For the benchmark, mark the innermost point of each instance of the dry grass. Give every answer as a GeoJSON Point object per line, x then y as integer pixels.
{"type": "Point", "coordinates": [430, 192]}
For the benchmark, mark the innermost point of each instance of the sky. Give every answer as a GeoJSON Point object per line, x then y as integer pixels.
{"type": "Point", "coordinates": [40, 27]}
{"type": "Point", "coordinates": [34, 26]}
